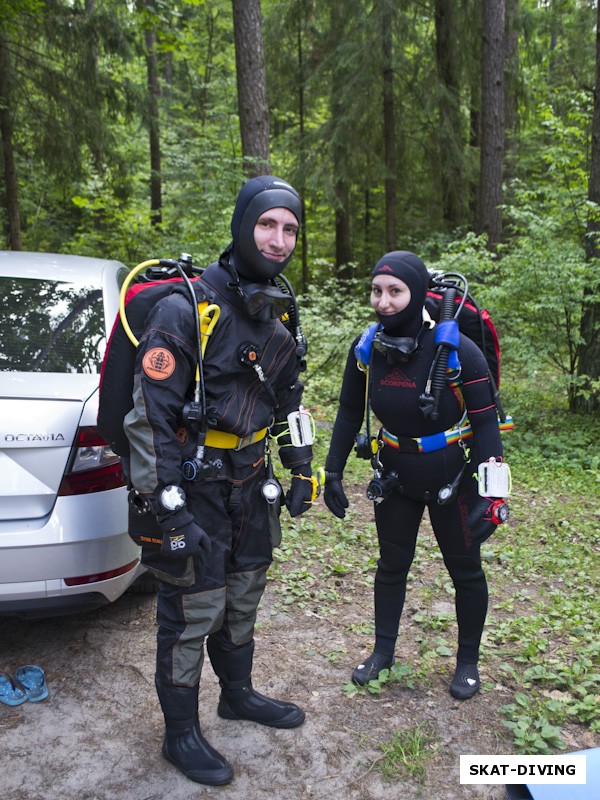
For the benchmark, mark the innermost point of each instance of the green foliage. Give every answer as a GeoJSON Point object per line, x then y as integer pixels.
{"type": "Point", "coordinates": [532, 731]}
{"type": "Point", "coordinates": [333, 315]}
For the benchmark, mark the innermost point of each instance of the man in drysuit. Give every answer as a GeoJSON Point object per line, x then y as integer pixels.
{"type": "Point", "coordinates": [217, 528]}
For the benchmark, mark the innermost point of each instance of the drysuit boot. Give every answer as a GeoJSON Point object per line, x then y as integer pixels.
{"type": "Point", "coordinates": [240, 701]}
{"type": "Point", "coordinates": [184, 745]}
{"type": "Point", "coordinates": [233, 667]}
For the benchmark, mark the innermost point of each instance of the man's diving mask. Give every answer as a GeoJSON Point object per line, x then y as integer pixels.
{"type": "Point", "coordinates": [265, 301]}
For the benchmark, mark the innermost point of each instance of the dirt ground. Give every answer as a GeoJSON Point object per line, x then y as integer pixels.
{"type": "Point", "coordinates": [99, 733]}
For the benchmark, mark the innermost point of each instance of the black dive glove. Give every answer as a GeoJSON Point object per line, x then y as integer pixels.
{"type": "Point", "coordinates": [299, 497]}
{"type": "Point", "coordinates": [182, 536]}
{"type": "Point", "coordinates": [485, 518]}
{"type": "Point", "coordinates": [334, 495]}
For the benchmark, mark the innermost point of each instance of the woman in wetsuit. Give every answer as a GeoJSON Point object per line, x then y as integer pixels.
{"type": "Point", "coordinates": [401, 356]}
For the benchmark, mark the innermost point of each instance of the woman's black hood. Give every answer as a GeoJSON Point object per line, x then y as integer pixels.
{"type": "Point", "coordinates": [409, 268]}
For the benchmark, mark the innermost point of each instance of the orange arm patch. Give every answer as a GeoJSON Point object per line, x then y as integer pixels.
{"type": "Point", "coordinates": [158, 364]}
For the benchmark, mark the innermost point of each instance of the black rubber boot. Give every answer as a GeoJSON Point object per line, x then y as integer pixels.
{"type": "Point", "coordinates": [194, 756]}
{"type": "Point", "coordinates": [242, 702]}
{"type": "Point", "coordinates": [184, 745]}
{"type": "Point", "coordinates": [371, 667]}
{"type": "Point", "coordinates": [465, 682]}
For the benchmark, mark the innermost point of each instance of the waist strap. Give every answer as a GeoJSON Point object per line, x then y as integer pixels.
{"type": "Point", "coordinates": [436, 441]}
{"type": "Point", "coordinates": [229, 441]}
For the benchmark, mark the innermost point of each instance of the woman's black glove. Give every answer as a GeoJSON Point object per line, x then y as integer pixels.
{"type": "Point", "coordinates": [299, 497]}
{"type": "Point", "coordinates": [182, 536]}
{"type": "Point", "coordinates": [334, 495]}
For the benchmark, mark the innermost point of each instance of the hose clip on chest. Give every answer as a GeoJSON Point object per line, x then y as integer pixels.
{"type": "Point", "coordinates": [249, 354]}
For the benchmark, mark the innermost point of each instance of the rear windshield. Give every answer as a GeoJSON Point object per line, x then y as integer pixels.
{"type": "Point", "coordinates": [49, 326]}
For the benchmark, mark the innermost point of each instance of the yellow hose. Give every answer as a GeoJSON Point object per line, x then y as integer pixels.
{"type": "Point", "coordinates": [208, 315]}
{"type": "Point", "coordinates": [153, 262]}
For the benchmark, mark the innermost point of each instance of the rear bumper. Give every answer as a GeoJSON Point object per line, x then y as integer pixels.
{"type": "Point", "coordinates": [84, 536]}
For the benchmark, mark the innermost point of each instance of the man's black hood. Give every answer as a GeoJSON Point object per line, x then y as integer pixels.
{"type": "Point", "coordinates": [257, 196]}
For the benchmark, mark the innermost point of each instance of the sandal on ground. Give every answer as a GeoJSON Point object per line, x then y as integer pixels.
{"type": "Point", "coordinates": [33, 679]}
{"type": "Point", "coordinates": [11, 692]}
{"type": "Point", "coordinates": [371, 667]}
{"type": "Point", "coordinates": [465, 682]}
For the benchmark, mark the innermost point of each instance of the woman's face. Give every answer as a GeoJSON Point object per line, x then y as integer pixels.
{"type": "Point", "coordinates": [389, 295]}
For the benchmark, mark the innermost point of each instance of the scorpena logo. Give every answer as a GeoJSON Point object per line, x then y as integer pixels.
{"type": "Point", "coordinates": [398, 378]}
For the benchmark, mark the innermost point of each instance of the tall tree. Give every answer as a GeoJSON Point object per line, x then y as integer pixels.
{"type": "Point", "coordinates": [492, 121]}
{"type": "Point", "coordinates": [589, 348]}
{"type": "Point", "coordinates": [450, 127]}
{"type": "Point", "coordinates": [252, 85]}
{"type": "Point", "coordinates": [154, 128]}
{"type": "Point", "coordinates": [389, 123]}
{"type": "Point", "coordinates": [511, 80]}
{"type": "Point", "coordinates": [11, 199]}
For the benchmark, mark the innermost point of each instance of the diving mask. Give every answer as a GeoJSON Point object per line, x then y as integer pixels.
{"type": "Point", "coordinates": [265, 301]}
{"type": "Point", "coordinates": [397, 349]}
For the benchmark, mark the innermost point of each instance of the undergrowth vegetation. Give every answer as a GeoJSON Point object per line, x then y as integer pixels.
{"type": "Point", "coordinates": [541, 642]}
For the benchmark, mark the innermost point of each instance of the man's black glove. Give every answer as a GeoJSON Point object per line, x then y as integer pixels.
{"type": "Point", "coordinates": [182, 536]}
{"type": "Point", "coordinates": [299, 497]}
{"type": "Point", "coordinates": [334, 495]}
{"type": "Point", "coordinates": [485, 517]}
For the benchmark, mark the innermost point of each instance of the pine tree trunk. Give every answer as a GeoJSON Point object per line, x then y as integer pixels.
{"type": "Point", "coordinates": [252, 85]}
{"type": "Point", "coordinates": [511, 72]}
{"type": "Point", "coordinates": [154, 125]}
{"type": "Point", "coordinates": [339, 151]}
{"type": "Point", "coordinates": [11, 201]}
{"type": "Point", "coordinates": [492, 121]}
{"type": "Point", "coordinates": [450, 130]}
{"type": "Point", "coordinates": [389, 126]}
{"type": "Point", "coordinates": [588, 363]}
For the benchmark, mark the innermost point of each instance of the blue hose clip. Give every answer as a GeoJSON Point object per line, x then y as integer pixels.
{"type": "Point", "coordinates": [362, 351]}
{"type": "Point", "coordinates": [447, 333]}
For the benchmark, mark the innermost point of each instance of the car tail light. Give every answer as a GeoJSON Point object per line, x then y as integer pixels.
{"type": "Point", "coordinates": [93, 467]}
{"type": "Point", "coordinates": [82, 580]}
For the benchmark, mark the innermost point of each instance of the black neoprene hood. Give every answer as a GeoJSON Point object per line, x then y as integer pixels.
{"type": "Point", "coordinates": [257, 196]}
{"type": "Point", "coordinates": [407, 267]}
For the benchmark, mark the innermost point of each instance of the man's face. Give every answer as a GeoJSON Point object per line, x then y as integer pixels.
{"type": "Point", "coordinates": [275, 234]}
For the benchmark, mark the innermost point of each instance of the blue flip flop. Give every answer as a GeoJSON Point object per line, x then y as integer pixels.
{"type": "Point", "coordinates": [11, 692]}
{"type": "Point", "coordinates": [33, 679]}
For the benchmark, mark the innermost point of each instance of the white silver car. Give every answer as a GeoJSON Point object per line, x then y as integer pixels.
{"type": "Point", "coordinates": [63, 503]}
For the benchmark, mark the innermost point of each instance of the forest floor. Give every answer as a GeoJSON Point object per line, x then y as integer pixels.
{"type": "Point", "coordinates": [98, 735]}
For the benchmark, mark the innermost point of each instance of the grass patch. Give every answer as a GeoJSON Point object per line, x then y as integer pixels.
{"type": "Point", "coordinates": [407, 754]}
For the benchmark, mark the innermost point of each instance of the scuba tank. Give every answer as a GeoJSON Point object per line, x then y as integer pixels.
{"type": "Point", "coordinates": [157, 278]}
